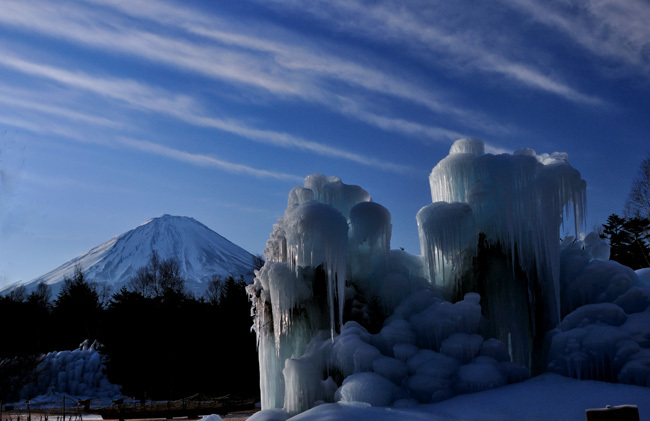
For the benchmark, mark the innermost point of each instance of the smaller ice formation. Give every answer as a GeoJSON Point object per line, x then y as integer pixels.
{"type": "Point", "coordinates": [605, 333]}
{"type": "Point", "coordinates": [77, 373]}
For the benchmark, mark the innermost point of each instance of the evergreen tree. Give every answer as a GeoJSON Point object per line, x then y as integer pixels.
{"type": "Point", "coordinates": [76, 313]}
{"type": "Point", "coordinates": [629, 240]}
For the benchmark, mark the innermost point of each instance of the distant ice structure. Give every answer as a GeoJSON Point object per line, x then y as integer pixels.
{"type": "Point", "coordinates": [340, 317]}
{"type": "Point", "coordinates": [77, 373]}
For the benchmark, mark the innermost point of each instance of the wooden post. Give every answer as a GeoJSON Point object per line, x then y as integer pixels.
{"type": "Point", "coordinates": [29, 411]}
{"type": "Point", "coordinates": [63, 408]}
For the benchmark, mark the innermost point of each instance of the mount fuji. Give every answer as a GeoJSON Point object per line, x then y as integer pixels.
{"type": "Point", "coordinates": [199, 251]}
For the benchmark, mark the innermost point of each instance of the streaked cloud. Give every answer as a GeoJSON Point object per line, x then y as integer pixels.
{"type": "Point", "coordinates": [203, 160]}
{"type": "Point", "coordinates": [614, 30]}
{"type": "Point", "coordinates": [158, 100]}
{"type": "Point", "coordinates": [276, 65]}
{"type": "Point", "coordinates": [426, 31]}
{"type": "Point", "coordinates": [29, 100]}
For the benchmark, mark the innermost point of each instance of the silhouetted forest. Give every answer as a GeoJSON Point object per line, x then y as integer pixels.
{"type": "Point", "coordinates": [629, 239]}
{"type": "Point", "coordinates": [159, 341]}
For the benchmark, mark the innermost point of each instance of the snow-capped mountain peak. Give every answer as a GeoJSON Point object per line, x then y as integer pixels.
{"type": "Point", "coordinates": [199, 251]}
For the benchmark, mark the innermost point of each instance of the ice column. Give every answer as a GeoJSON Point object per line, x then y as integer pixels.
{"type": "Point", "coordinates": [370, 231]}
{"type": "Point", "coordinates": [300, 289]}
{"type": "Point", "coordinates": [518, 203]}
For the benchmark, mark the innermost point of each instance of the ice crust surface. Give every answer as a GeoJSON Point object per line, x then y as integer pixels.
{"type": "Point", "coordinates": [340, 317]}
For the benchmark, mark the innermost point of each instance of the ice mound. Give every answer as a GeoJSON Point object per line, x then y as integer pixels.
{"type": "Point", "coordinates": [78, 373]}
{"type": "Point", "coordinates": [606, 333]}
{"type": "Point", "coordinates": [644, 276]}
{"type": "Point", "coordinates": [212, 417]}
{"type": "Point", "coordinates": [367, 387]}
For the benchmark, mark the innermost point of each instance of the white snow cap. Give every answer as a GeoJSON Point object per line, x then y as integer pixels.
{"type": "Point", "coordinates": [467, 145]}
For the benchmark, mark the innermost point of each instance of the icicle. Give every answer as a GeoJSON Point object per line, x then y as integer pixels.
{"type": "Point", "coordinates": [446, 231]}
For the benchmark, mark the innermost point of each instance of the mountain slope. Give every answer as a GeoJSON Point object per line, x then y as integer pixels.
{"type": "Point", "coordinates": [200, 252]}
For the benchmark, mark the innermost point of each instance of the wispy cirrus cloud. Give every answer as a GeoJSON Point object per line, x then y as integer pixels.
{"type": "Point", "coordinates": [273, 64]}
{"type": "Point", "coordinates": [48, 128]}
{"type": "Point", "coordinates": [203, 160]}
{"type": "Point", "coordinates": [100, 30]}
{"type": "Point", "coordinates": [147, 98]}
{"type": "Point", "coordinates": [130, 91]}
{"type": "Point", "coordinates": [430, 36]}
{"type": "Point", "coordinates": [29, 100]}
{"type": "Point", "coordinates": [614, 30]}
{"type": "Point", "coordinates": [139, 145]}
{"type": "Point", "coordinates": [294, 57]}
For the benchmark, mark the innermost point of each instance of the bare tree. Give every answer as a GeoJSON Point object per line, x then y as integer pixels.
{"type": "Point", "coordinates": [18, 294]}
{"type": "Point", "coordinates": [158, 277]}
{"type": "Point", "coordinates": [637, 204]}
{"type": "Point", "coordinates": [214, 289]}
{"type": "Point", "coordinates": [170, 279]}
{"type": "Point", "coordinates": [145, 281]}
{"type": "Point", "coordinates": [42, 295]}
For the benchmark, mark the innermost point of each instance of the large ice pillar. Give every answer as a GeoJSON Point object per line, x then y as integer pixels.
{"type": "Point", "coordinates": [300, 289]}
{"type": "Point", "coordinates": [517, 204]}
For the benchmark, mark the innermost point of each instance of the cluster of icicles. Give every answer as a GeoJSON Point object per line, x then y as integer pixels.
{"type": "Point", "coordinates": [339, 316]}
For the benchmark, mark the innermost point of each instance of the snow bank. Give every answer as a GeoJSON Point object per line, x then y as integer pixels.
{"type": "Point", "coordinates": [548, 397]}
{"type": "Point", "coordinates": [212, 417]}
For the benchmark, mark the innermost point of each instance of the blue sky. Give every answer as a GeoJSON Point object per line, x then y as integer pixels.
{"type": "Point", "coordinates": [113, 112]}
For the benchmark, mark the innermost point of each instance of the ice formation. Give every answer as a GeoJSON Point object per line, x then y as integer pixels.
{"type": "Point", "coordinates": [605, 333]}
{"type": "Point", "coordinates": [340, 317]}
{"type": "Point", "coordinates": [516, 203]}
{"type": "Point", "coordinates": [77, 373]}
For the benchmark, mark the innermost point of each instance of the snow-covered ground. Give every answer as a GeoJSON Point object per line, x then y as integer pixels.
{"type": "Point", "coordinates": [546, 397]}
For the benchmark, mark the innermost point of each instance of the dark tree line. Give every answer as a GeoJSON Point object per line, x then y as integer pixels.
{"type": "Point", "coordinates": [160, 341]}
